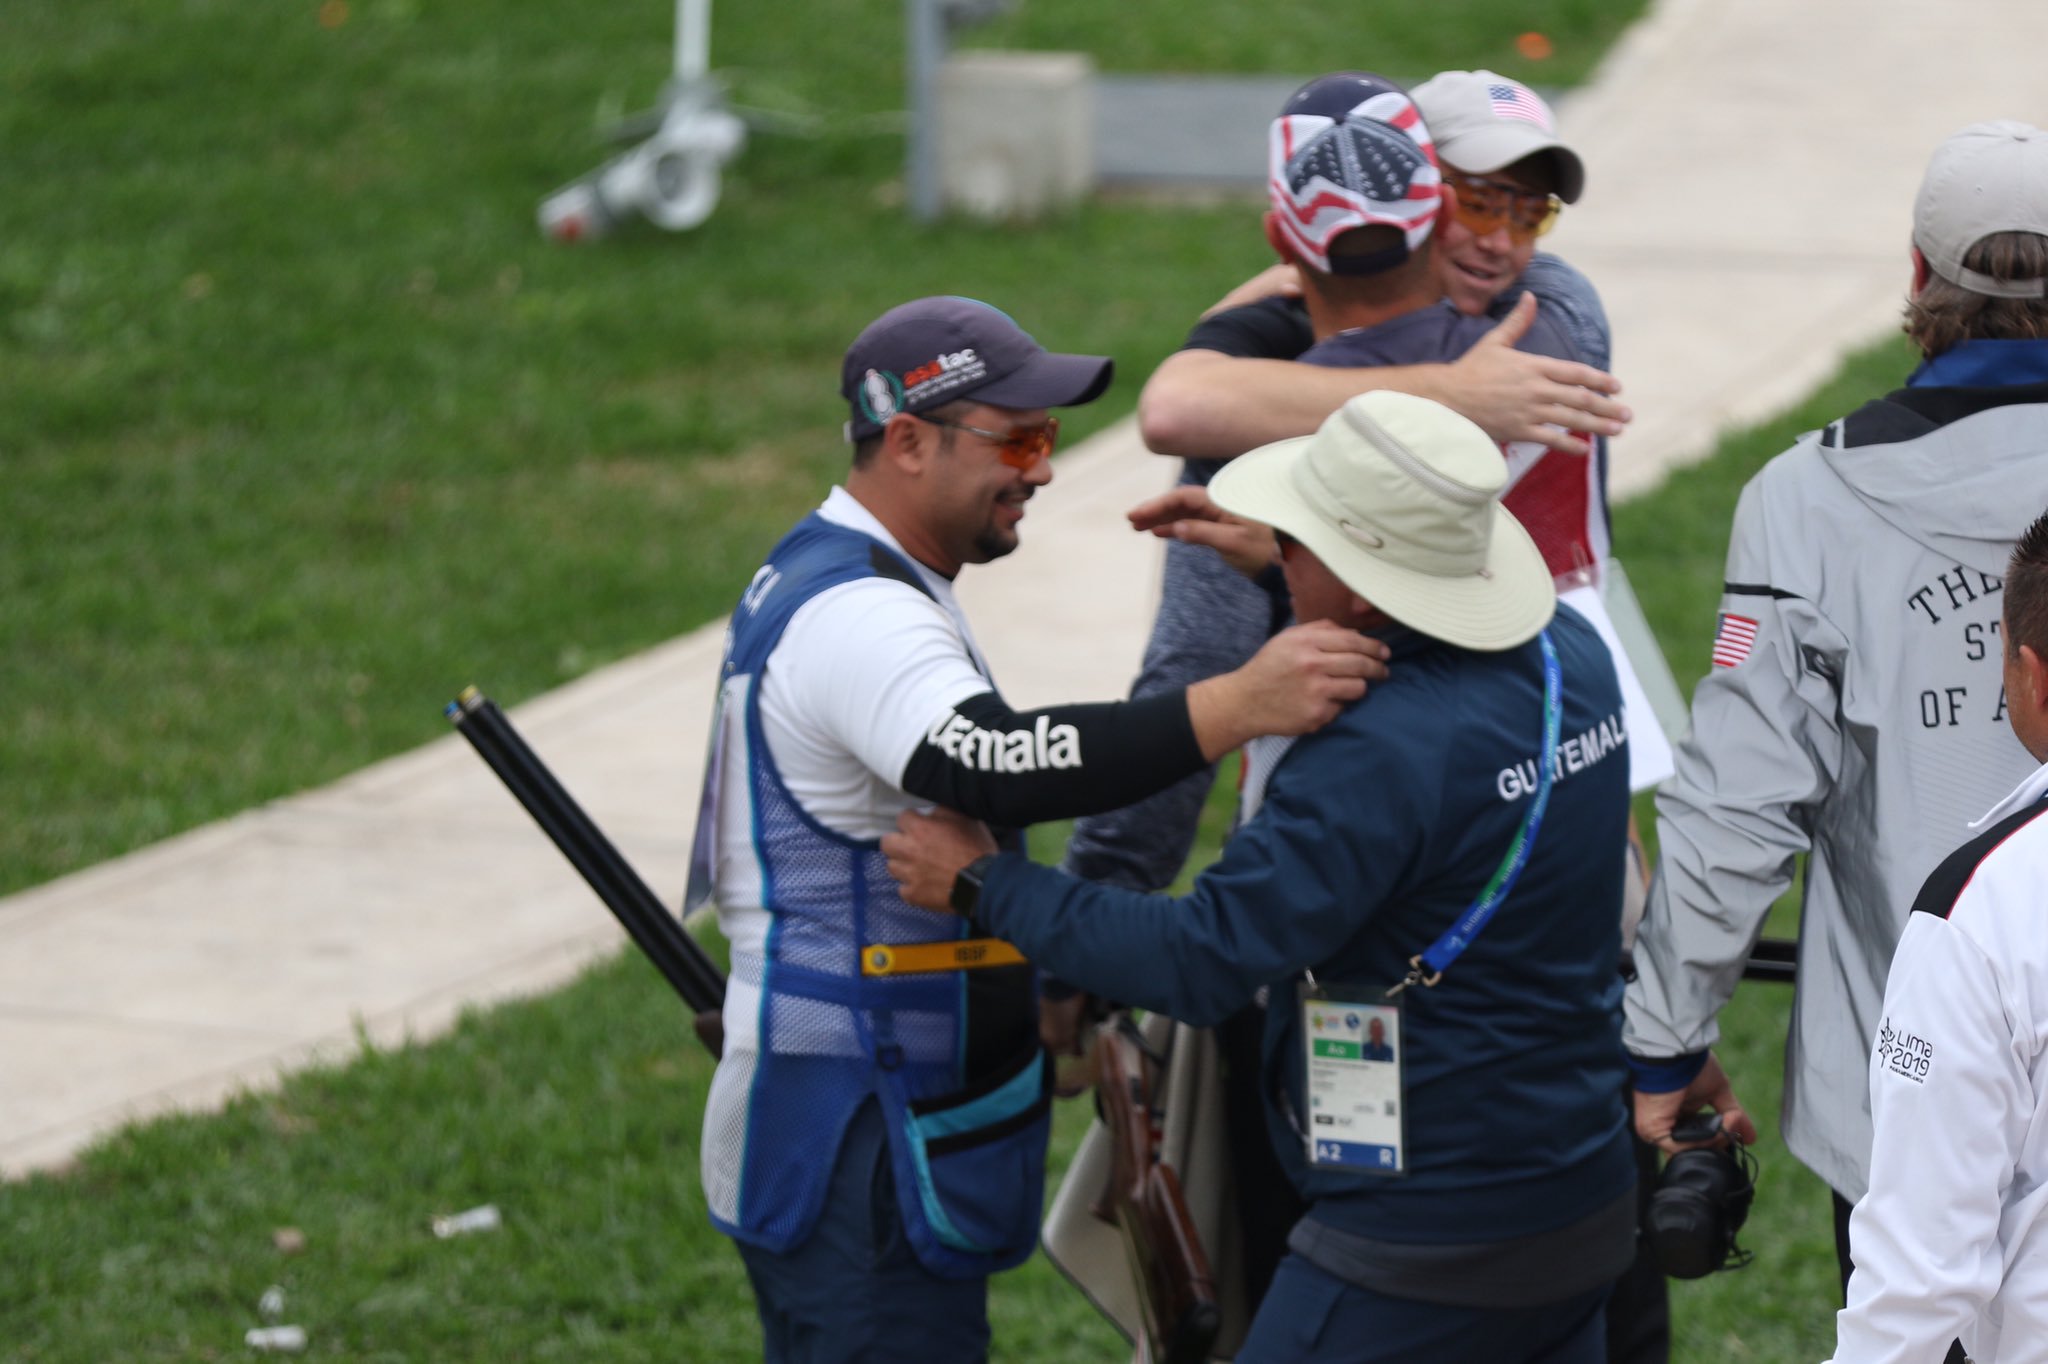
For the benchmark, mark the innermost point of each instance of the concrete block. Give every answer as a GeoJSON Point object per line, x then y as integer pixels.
{"type": "Point", "coordinates": [1186, 131]}
{"type": "Point", "coordinates": [1016, 132]}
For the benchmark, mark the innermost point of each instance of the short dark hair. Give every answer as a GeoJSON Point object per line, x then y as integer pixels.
{"type": "Point", "coordinates": [1381, 287]}
{"type": "Point", "coordinates": [1944, 314]}
{"type": "Point", "coordinates": [2026, 591]}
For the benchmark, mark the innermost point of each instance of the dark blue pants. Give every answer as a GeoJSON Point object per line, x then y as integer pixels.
{"type": "Point", "coordinates": [1309, 1317]}
{"type": "Point", "coordinates": [854, 1291]}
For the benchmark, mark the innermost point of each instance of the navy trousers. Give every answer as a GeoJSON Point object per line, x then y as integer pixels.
{"type": "Point", "coordinates": [1310, 1317]}
{"type": "Point", "coordinates": [854, 1293]}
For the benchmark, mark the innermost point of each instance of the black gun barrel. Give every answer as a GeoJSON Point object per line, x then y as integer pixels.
{"type": "Point", "coordinates": [1773, 959]}
{"type": "Point", "coordinates": [653, 929]}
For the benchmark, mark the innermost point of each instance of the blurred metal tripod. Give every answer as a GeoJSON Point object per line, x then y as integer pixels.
{"type": "Point", "coordinates": [670, 177]}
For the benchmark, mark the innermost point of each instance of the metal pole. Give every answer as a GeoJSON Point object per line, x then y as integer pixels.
{"type": "Point", "coordinates": [693, 39]}
{"type": "Point", "coordinates": [927, 43]}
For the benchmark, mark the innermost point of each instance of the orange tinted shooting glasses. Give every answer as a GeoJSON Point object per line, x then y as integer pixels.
{"type": "Point", "coordinates": [1021, 448]}
{"type": "Point", "coordinates": [1484, 205]}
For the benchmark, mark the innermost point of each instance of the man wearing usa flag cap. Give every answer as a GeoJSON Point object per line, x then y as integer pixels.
{"type": "Point", "coordinates": [1234, 385]}
{"type": "Point", "coordinates": [1855, 712]}
{"type": "Point", "coordinates": [1497, 144]}
{"type": "Point", "coordinates": [1365, 211]}
{"type": "Point", "coordinates": [1346, 152]}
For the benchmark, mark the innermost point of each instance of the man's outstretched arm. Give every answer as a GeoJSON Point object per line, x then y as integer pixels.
{"type": "Point", "coordinates": [1012, 767]}
{"type": "Point", "coordinates": [1208, 404]}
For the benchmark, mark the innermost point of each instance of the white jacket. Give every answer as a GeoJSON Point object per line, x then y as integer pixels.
{"type": "Point", "coordinates": [1951, 1241]}
{"type": "Point", "coordinates": [1863, 726]}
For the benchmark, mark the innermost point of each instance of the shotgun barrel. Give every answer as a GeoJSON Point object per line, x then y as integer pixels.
{"type": "Point", "coordinates": [653, 929]}
{"type": "Point", "coordinates": [1774, 959]}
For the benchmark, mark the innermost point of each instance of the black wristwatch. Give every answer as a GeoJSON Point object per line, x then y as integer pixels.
{"type": "Point", "coordinates": [966, 896]}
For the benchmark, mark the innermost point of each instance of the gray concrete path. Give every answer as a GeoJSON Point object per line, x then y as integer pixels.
{"type": "Point", "coordinates": [1753, 164]}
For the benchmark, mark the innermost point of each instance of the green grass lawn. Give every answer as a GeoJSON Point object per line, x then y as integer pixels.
{"type": "Point", "coordinates": [1299, 37]}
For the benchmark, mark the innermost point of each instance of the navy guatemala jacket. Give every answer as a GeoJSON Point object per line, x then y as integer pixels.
{"type": "Point", "coordinates": [1375, 834]}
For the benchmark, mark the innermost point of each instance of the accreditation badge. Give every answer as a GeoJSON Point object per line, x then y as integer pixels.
{"type": "Point", "coordinates": [1351, 1041]}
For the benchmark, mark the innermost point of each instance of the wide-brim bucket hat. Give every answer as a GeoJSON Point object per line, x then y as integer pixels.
{"type": "Point", "coordinates": [1400, 499]}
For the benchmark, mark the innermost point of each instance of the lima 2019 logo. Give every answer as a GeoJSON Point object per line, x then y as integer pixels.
{"type": "Point", "coordinates": [1903, 1054]}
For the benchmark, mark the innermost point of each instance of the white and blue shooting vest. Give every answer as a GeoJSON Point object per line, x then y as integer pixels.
{"type": "Point", "coordinates": [809, 1039]}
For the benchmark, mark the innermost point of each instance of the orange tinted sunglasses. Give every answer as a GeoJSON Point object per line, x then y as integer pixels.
{"type": "Point", "coordinates": [1484, 205]}
{"type": "Point", "coordinates": [1020, 449]}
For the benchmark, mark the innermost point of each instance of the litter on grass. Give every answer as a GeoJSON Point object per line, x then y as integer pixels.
{"type": "Point", "coordinates": [484, 1218]}
{"type": "Point", "coordinates": [281, 1339]}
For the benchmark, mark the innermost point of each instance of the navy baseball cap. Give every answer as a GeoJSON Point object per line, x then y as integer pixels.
{"type": "Point", "coordinates": [935, 351]}
{"type": "Point", "coordinates": [1350, 150]}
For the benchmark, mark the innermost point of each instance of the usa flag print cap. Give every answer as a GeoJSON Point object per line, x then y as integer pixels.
{"type": "Point", "coordinates": [932, 351]}
{"type": "Point", "coordinates": [1483, 121]}
{"type": "Point", "coordinates": [1348, 151]}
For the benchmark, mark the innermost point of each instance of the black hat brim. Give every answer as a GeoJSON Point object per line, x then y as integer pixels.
{"type": "Point", "coordinates": [1048, 379]}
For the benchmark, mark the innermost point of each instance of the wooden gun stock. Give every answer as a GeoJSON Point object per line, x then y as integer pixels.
{"type": "Point", "coordinates": [1177, 1293]}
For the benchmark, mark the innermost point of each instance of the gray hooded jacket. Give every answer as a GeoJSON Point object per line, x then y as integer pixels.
{"type": "Point", "coordinates": [1856, 713]}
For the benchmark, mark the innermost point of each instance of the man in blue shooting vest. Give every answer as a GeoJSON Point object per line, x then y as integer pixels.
{"type": "Point", "coordinates": [874, 1138]}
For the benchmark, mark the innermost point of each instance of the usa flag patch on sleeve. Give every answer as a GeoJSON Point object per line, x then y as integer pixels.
{"type": "Point", "coordinates": [1733, 640]}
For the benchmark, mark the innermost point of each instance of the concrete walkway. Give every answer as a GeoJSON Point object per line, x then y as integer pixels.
{"type": "Point", "coordinates": [1753, 166]}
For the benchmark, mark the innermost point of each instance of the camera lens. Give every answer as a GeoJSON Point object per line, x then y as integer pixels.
{"type": "Point", "coordinates": [1701, 1201]}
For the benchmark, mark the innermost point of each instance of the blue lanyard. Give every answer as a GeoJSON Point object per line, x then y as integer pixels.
{"type": "Point", "coordinates": [1428, 968]}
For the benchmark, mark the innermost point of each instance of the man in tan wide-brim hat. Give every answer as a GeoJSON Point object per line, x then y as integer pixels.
{"type": "Point", "coordinates": [1423, 863]}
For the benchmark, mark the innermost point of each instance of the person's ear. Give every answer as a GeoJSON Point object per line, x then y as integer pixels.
{"type": "Point", "coordinates": [1277, 238]}
{"type": "Point", "coordinates": [907, 443]}
{"type": "Point", "coordinates": [1919, 274]}
{"type": "Point", "coordinates": [2034, 676]}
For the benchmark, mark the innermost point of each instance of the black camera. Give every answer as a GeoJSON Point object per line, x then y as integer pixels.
{"type": "Point", "coordinates": [1701, 1201]}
